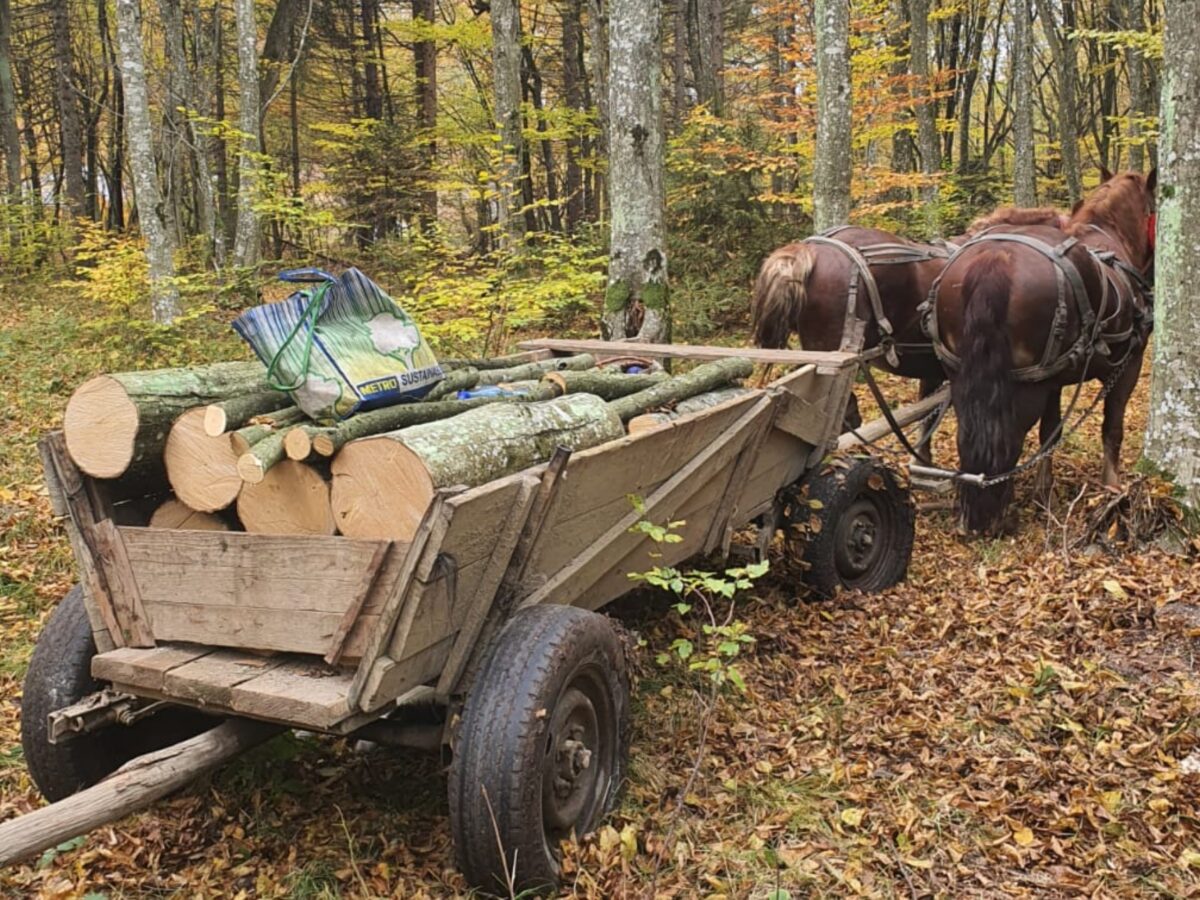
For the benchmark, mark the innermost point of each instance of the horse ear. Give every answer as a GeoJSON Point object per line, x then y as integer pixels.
{"type": "Point", "coordinates": [1152, 181]}
{"type": "Point", "coordinates": [1105, 175]}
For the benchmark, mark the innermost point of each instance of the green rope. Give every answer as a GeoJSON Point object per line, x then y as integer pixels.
{"type": "Point", "coordinates": [309, 316]}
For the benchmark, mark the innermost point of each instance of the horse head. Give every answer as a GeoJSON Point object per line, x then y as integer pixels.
{"type": "Point", "coordinates": [1123, 205]}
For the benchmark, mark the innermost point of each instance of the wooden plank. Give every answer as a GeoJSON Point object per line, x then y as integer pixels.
{"type": "Point", "coordinates": [254, 628]}
{"type": "Point", "coordinates": [235, 569]}
{"type": "Point", "coordinates": [58, 500]}
{"type": "Point", "coordinates": [431, 529]}
{"type": "Point", "coordinates": [904, 415]}
{"type": "Point", "coordinates": [576, 577]}
{"type": "Point", "coordinates": [210, 680]}
{"type": "Point", "coordinates": [390, 679]}
{"type": "Point", "coordinates": [350, 616]}
{"type": "Point", "coordinates": [144, 668]}
{"type": "Point", "coordinates": [602, 349]}
{"type": "Point", "coordinates": [123, 588]}
{"type": "Point", "coordinates": [725, 517]}
{"type": "Point", "coordinates": [804, 398]}
{"type": "Point", "coordinates": [295, 691]}
{"type": "Point", "coordinates": [479, 514]}
{"type": "Point", "coordinates": [479, 601]}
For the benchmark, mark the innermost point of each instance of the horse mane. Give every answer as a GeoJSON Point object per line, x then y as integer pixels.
{"type": "Point", "coordinates": [1018, 216]}
{"type": "Point", "coordinates": [1118, 205]}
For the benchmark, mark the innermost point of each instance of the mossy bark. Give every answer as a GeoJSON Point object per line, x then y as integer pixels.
{"type": "Point", "coordinates": [699, 380]}
{"type": "Point", "coordinates": [606, 385]}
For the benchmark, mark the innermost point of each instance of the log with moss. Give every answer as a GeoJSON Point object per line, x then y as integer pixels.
{"type": "Point", "coordinates": [238, 411]}
{"type": "Point", "coordinates": [606, 385]}
{"type": "Point", "coordinates": [202, 469]}
{"type": "Point", "coordinates": [537, 369]}
{"type": "Point", "coordinates": [459, 380]}
{"type": "Point", "coordinates": [292, 498]}
{"type": "Point", "coordinates": [383, 484]}
{"type": "Point", "coordinates": [652, 421]}
{"type": "Point", "coordinates": [115, 423]}
{"type": "Point", "coordinates": [176, 514]}
{"type": "Point", "coordinates": [263, 426]}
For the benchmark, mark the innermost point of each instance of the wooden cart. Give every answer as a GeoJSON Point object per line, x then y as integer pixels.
{"type": "Point", "coordinates": [487, 613]}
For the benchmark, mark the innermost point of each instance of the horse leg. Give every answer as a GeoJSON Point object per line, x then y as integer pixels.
{"type": "Point", "coordinates": [1113, 430]}
{"type": "Point", "coordinates": [1043, 485]}
{"type": "Point", "coordinates": [924, 447]}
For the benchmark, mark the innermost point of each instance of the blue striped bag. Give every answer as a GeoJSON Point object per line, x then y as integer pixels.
{"type": "Point", "coordinates": [339, 347]}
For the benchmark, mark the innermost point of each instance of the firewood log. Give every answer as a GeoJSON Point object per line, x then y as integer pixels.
{"type": "Point", "coordinates": [292, 498]}
{"type": "Point", "coordinates": [177, 514]}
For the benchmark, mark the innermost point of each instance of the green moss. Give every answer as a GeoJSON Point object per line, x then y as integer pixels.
{"type": "Point", "coordinates": [654, 295]}
{"type": "Point", "coordinates": [616, 297]}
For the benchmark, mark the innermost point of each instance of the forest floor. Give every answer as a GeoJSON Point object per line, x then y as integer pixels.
{"type": "Point", "coordinates": [1017, 719]}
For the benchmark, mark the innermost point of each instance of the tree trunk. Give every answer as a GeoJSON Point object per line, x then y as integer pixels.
{"type": "Point", "coordinates": [134, 786]}
{"type": "Point", "coordinates": [636, 302]}
{"type": "Point", "coordinates": [1024, 161]}
{"type": "Point", "coordinates": [679, 61]}
{"type": "Point", "coordinates": [605, 385]}
{"type": "Point", "coordinates": [1172, 438]}
{"type": "Point", "coordinates": [160, 250]}
{"type": "Point", "coordinates": [572, 62]}
{"type": "Point", "coordinates": [705, 45]}
{"type": "Point", "coordinates": [925, 112]}
{"type": "Point", "coordinates": [246, 237]}
{"type": "Point", "coordinates": [113, 422]}
{"type": "Point", "coordinates": [904, 153]}
{"type": "Point", "coordinates": [382, 485]}
{"type": "Point", "coordinates": [425, 71]}
{"type": "Point", "coordinates": [700, 380]}
{"type": "Point", "coordinates": [1062, 49]}
{"type": "Point", "coordinates": [201, 469]}
{"type": "Point", "coordinates": [506, 61]}
{"type": "Point", "coordinates": [1139, 105]}
{"type": "Point", "coordinates": [10, 136]}
{"type": "Point", "coordinates": [598, 54]}
{"type": "Point", "coordinates": [831, 170]}
{"type": "Point", "coordinates": [372, 92]}
{"type": "Point", "coordinates": [225, 211]}
{"type": "Point", "coordinates": [68, 111]}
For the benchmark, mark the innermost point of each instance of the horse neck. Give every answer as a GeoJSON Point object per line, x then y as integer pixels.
{"type": "Point", "coordinates": [1128, 231]}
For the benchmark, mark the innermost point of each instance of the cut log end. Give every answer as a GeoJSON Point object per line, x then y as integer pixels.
{"type": "Point", "coordinates": [100, 427]}
{"type": "Point", "coordinates": [324, 445]}
{"type": "Point", "coordinates": [250, 469]}
{"type": "Point", "coordinates": [176, 514]}
{"type": "Point", "coordinates": [647, 422]}
{"type": "Point", "coordinates": [203, 470]}
{"type": "Point", "coordinates": [297, 444]}
{"type": "Point", "coordinates": [291, 498]}
{"type": "Point", "coordinates": [381, 490]}
{"type": "Point", "coordinates": [216, 420]}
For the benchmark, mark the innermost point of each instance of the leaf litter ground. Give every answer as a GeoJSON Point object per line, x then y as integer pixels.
{"type": "Point", "coordinates": [1017, 719]}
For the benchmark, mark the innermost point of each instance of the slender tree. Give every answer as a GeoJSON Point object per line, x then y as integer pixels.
{"type": "Point", "coordinates": [925, 112]}
{"type": "Point", "coordinates": [831, 171]}
{"type": "Point", "coordinates": [1063, 50]}
{"type": "Point", "coordinates": [1172, 436]}
{"type": "Point", "coordinates": [10, 135]}
{"type": "Point", "coordinates": [636, 302]}
{"type": "Point", "coordinates": [164, 295]}
{"type": "Point", "coordinates": [572, 62]}
{"type": "Point", "coordinates": [425, 72]}
{"type": "Point", "coordinates": [706, 40]}
{"type": "Point", "coordinates": [71, 131]}
{"type": "Point", "coordinates": [1138, 94]}
{"type": "Point", "coordinates": [246, 237]}
{"type": "Point", "coordinates": [506, 61]}
{"type": "Point", "coordinates": [1024, 170]}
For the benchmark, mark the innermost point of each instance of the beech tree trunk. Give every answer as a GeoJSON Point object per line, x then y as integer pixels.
{"type": "Point", "coordinates": [71, 130]}
{"type": "Point", "coordinates": [1139, 105]}
{"type": "Point", "coordinates": [246, 236]}
{"type": "Point", "coordinates": [925, 111]}
{"type": "Point", "coordinates": [636, 302]}
{"type": "Point", "coordinates": [831, 170]}
{"type": "Point", "coordinates": [10, 136]}
{"type": "Point", "coordinates": [705, 30]}
{"type": "Point", "coordinates": [506, 61]}
{"type": "Point", "coordinates": [1173, 434]}
{"type": "Point", "coordinates": [1062, 49]}
{"type": "Point", "coordinates": [425, 72]}
{"type": "Point", "coordinates": [160, 249]}
{"type": "Point", "coordinates": [1024, 161]}
{"type": "Point", "coordinates": [699, 380]}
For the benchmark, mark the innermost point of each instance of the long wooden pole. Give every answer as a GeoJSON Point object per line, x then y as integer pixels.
{"type": "Point", "coordinates": [134, 786]}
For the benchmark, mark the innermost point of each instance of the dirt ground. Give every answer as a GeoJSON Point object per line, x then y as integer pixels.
{"type": "Point", "coordinates": [1018, 719]}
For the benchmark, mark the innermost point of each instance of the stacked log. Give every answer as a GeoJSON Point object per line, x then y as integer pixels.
{"type": "Point", "coordinates": [226, 441]}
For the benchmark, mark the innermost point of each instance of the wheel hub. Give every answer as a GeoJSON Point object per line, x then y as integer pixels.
{"type": "Point", "coordinates": [572, 778]}
{"type": "Point", "coordinates": [574, 757]}
{"type": "Point", "coordinates": [860, 541]}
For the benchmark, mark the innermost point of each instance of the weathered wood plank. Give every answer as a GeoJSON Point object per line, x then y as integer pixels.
{"type": "Point", "coordinates": [804, 400]}
{"type": "Point", "coordinates": [349, 617]}
{"type": "Point", "coordinates": [389, 679]}
{"type": "Point", "coordinates": [210, 680]}
{"type": "Point", "coordinates": [904, 415]}
{"type": "Point", "coordinates": [295, 692]}
{"type": "Point", "coordinates": [144, 668]}
{"type": "Point", "coordinates": [234, 569]}
{"type": "Point", "coordinates": [122, 586]}
{"type": "Point", "coordinates": [604, 349]}
{"type": "Point", "coordinates": [725, 517]}
{"type": "Point", "coordinates": [573, 579]}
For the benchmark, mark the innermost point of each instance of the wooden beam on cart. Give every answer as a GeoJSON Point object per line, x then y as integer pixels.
{"type": "Point", "coordinates": [906, 415]}
{"type": "Point", "coordinates": [826, 361]}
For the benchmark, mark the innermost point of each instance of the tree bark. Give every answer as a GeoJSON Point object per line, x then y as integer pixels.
{"type": "Point", "coordinates": [1172, 434]}
{"type": "Point", "coordinates": [115, 422]}
{"type": "Point", "coordinates": [1024, 161]}
{"type": "Point", "coordinates": [1062, 49]}
{"type": "Point", "coordinates": [237, 411]}
{"type": "Point", "coordinates": [705, 30]}
{"type": "Point", "coordinates": [10, 135]}
{"type": "Point", "coordinates": [598, 54]}
{"type": "Point", "coordinates": [246, 237]}
{"type": "Point", "coordinates": [831, 170]}
{"type": "Point", "coordinates": [71, 130]}
{"type": "Point", "coordinates": [925, 112]}
{"type": "Point", "coordinates": [636, 302]}
{"type": "Point", "coordinates": [425, 71]}
{"type": "Point", "coordinates": [699, 380]}
{"type": "Point", "coordinates": [904, 153]}
{"type": "Point", "coordinates": [225, 211]}
{"type": "Point", "coordinates": [160, 249]}
{"type": "Point", "coordinates": [572, 63]}
{"type": "Point", "coordinates": [506, 61]}
{"type": "Point", "coordinates": [1139, 105]}
{"type": "Point", "coordinates": [605, 385]}
{"type": "Point", "coordinates": [134, 786]}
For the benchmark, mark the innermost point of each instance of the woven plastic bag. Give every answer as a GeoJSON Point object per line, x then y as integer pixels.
{"type": "Point", "coordinates": [340, 346]}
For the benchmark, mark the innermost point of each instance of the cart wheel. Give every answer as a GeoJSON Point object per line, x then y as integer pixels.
{"type": "Point", "coordinates": [60, 675]}
{"type": "Point", "coordinates": [860, 537]}
{"type": "Point", "coordinates": [540, 752]}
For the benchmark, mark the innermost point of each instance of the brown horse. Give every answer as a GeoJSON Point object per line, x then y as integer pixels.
{"type": "Point", "coordinates": [816, 288]}
{"type": "Point", "coordinates": [1021, 311]}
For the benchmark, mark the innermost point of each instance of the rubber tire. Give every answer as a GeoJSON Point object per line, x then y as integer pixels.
{"type": "Point", "coordinates": [839, 490]}
{"type": "Point", "coordinates": [502, 743]}
{"type": "Point", "coordinates": [59, 675]}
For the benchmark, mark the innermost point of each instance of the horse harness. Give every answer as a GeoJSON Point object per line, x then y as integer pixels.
{"type": "Point", "coordinates": [1118, 280]}
{"type": "Point", "coordinates": [863, 258]}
